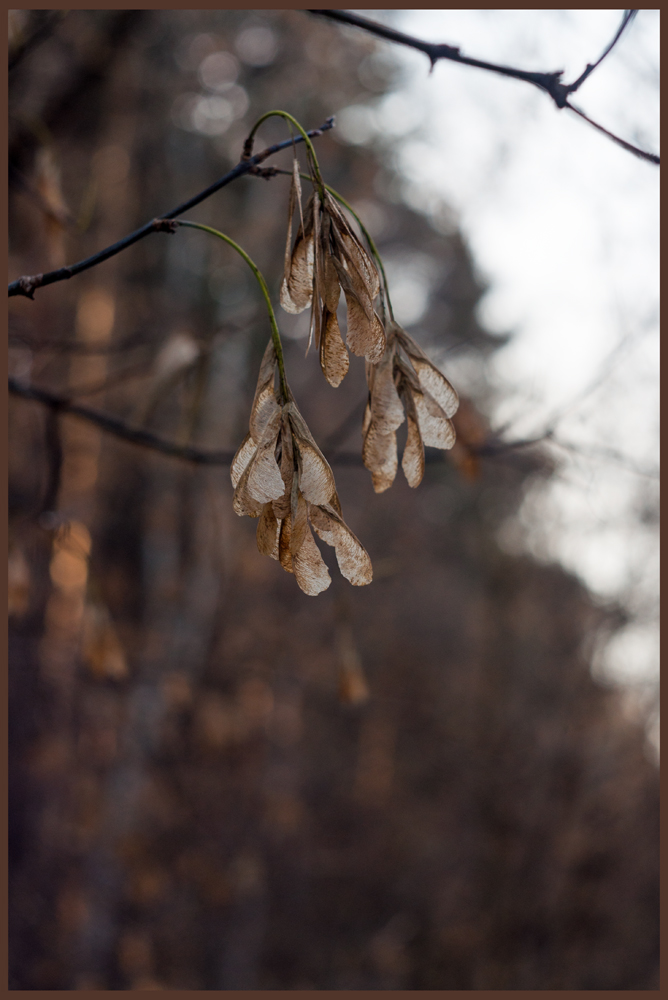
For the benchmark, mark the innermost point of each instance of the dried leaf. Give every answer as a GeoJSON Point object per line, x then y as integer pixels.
{"type": "Point", "coordinates": [333, 354]}
{"type": "Point", "coordinates": [268, 528]}
{"type": "Point", "coordinates": [352, 557]}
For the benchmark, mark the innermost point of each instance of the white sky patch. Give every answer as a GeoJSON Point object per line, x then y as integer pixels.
{"type": "Point", "coordinates": [563, 226]}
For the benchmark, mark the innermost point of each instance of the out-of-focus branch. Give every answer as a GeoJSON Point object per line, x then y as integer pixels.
{"type": "Point", "coordinates": [137, 435]}
{"type": "Point", "coordinates": [549, 83]}
{"type": "Point", "coordinates": [26, 285]}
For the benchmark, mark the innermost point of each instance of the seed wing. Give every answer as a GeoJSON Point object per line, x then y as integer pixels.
{"type": "Point", "coordinates": [436, 429]}
{"type": "Point", "coordinates": [412, 461]}
{"type": "Point", "coordinates": [352, 557]}
{"type": "Point", "coordinates": [334, 359]}
{"type": "Point", "coordinates": [245, 452]}
{"type": "Point", "coordinates": [379, 453]}
{"type": "Point", "coordinates": [264, 406]}
{"type": "Point", "coordinates": [268, 528]}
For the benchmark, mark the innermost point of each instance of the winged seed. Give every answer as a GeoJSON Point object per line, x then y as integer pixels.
{"type": "Point", "coordinates": [352, 557]}
{"type": "Point", "coordinates": [333, 354]}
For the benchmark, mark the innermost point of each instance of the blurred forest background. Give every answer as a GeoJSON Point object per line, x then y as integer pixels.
{"type": "Point", "coordinates": [217, 782]}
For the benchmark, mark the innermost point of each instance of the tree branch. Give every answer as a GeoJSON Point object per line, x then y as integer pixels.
{"type": "Point", "coordinates": [137, 435]}
{"type": "Point", "coordinates": [549, 83]}
{"type": "Point", "coordinates": [27, 284]}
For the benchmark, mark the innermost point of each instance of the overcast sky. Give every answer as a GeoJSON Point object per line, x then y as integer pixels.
{"type": "Point", "coordinates": [563, 225]}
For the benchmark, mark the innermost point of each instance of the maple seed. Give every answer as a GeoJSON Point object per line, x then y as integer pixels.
{"type": "Point", "coordinates": [405, 385]}
{"type": "Point", "coordinates": [328, 258]}
{"type": "Point", "coordinates": [281, 477]}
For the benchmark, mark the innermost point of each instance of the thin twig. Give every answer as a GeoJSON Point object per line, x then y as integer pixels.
{"type": "Point", "coordinates": [27, 284]}
{"type": "Point", "coordinates": [549, 83]}
{"type": "Point", "coordinates": [137, 435]}
{"type": "Point", "coordinates": [590, 67]}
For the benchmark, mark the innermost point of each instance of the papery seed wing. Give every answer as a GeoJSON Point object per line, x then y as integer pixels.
{"type": "Point", "coordinates": [412, 461]}
{"type": "Point", "coordinates": [268, 528]}
{"type": "Point", "coordinates": [297, 291]}
{"type": "Point", "coordinates": [264, 406]}
{"type": "Point", "coordinates": [379, 453]}
{"type": "Point", "coordinates": [366, 422]}
{"type": "Point", "coordinates": [287, 260]}
{"type": "Point", "coordinates": [328, 280]}
{"type": "Point", "coordinates": [264, 476]}
{"type": "Point", "coordinates": [364, 337]}
{"type": "Point", "coordinates": [243, 503]}
{"type": "Point", "coordinates": [436, 429]}
{"type": "Point", "coordinates": [282, 504]}
{"type": "Point", "coordinates": [316, 479]}
{"type": "Point", "coordinates": [363, 263]}
{"type": "Point", "coordinates": [308, 565]}
{"type": "Point", "coordinates": [354, 290]}
{"type": "Point", "coordinates": [299, 523]}
{"type": "Point", "coordinates": [352, 557]}
{"type": "Point", "coordinates": [431, 379]}
{"type": "Point", "coordinates": [245, 452]}
{"type": "Point", "coordinates": [387, 412]}
{"type": "Point", "coordinates": [284, 556]}
{"type": "Point", "coordinates": [333, 354]}
{"type": "Point", "coordinates": [437, 385]}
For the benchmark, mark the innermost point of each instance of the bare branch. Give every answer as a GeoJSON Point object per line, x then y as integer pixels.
{"type": "Point", "coordinates": [137, 435]}
{"type": "Point", "coordinates": [28, 284]}
{"type": "Point", "coordinates": [590, 67]}
{"type": "Point", "coordinates": [549, 83]}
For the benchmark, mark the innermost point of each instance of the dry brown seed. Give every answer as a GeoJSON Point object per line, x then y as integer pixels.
{"type": "Point", "coordinates": [298, 524]}
{"type": "Point", "coordinates": [282, 504]}
{"type": "Point", "coordinates": [245, 452]}
{"type": "Point", "coordinates": [437, 385]}
{"type": "Point", "coordinates": [364, 337]}
{"type": "Point", "coordinates": [379, 453]}
{"type": "Point", "coordinates": [297, 289]}
{"type": "Point", "coordinates": [436, 429]}
{"type": "Point", "coordinates": [284, 555]}
{"type": "Point", "coordinates": [431, 379]}
{"type": "Point", "coordinates": [309, 567]}
{"type": "Point", "coordinates": [333, 354]}
{"type": "Point", "coordinates": [352, 557]}
{"type": "Point", "coordinates": [243, 503]}
{"type": "Point", "coordinates": [387, 413]}
{"type": "Point", "coordinates": [412, 461]}
{"type": "Point", "coordinates": [268, 528]}
{"type": "Point", "coordinates": [316, 480]}
{"type": "Point", "coordinates": [264, 406]}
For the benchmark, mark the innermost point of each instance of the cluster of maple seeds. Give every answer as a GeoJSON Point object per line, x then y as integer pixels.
{"type": "Point", "coordinates": [279, 474]}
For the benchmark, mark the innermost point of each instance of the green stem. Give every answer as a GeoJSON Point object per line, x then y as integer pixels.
{"type": "Point", "coordinates": [304, 135]}
{"type": "Point", "coordinates": [275, 335]}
